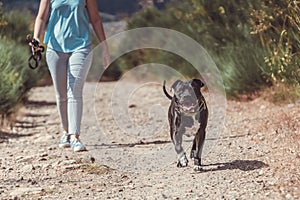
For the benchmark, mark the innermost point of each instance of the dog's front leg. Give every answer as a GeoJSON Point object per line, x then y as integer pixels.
{"type": "Point", "coordinates": [182, 159]}
{"type": "Point", "coordinates": [197, 148]}
{"type": "Point", "coordinates": [176, 136]}
{"type": "Point", "coordinates": [199, 141]}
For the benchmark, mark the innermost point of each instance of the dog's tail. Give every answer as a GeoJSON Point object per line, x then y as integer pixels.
{"type": "Point", "coordinates": [165, 91]}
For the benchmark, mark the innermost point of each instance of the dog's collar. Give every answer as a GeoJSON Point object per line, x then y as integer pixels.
{"type": "Point", "coordinates": [200, 108]}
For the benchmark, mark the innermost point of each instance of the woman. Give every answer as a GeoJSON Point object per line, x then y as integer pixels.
{"type": "Point", "coordinates": [68, 49]}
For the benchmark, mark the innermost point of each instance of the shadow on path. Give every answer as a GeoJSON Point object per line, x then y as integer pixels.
{"type": "Point", "coordinates": [6, 135]}
{"type": "Point", "coordinates": [121, 145]}
{"type": "Point", "coordinates": [31, 103]}
{"type": "Point", "coordinates": [243, 165]}
{"type": "Point", "coordinates": [27, 124]}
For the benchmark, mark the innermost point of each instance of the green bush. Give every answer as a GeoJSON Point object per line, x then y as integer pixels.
{"type": "Point", "coordinates": [17, 26]}
{"type": "Point", "coordinates": [16, 78]}
{"type": "Point", "coordinates": [221, 27]}
{"type": "Point", "coordinates": [2, 21]}
{"type": "Point", "coordinates": [277, 24]}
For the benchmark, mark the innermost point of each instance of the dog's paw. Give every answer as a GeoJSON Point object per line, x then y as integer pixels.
{"type": "Point", "coordinates": [182, 161]}
{"type": "Point", "coordinates": [197, 164]}
{"type": "Point", "coordinates": [197, 168]}
{"type": "Point", "coordinates": [197, 161]}
{"type": "Point", "coordinates": [182, 164]}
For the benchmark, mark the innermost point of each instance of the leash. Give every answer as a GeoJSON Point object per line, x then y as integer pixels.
{"type": "Point", "coordinates": [36, 51]}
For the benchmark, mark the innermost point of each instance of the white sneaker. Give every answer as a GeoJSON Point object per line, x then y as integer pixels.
{"type": "Point", "coordinates": [64, 141]}
{"type": "Point", "coordinates": [77, 145]}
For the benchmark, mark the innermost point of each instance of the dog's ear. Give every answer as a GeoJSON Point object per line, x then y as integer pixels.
{"type": "Point", "coordinates": [197, 83]}
{"type": "Point", "coordinates": [174, 85]}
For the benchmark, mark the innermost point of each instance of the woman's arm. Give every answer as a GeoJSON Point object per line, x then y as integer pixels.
{"type": "Point", "coordinates": [41, 18]}
{"type": "Point", "coordinates": [95, 19]}
{"type": "Point", "coordinates": [96, 22]}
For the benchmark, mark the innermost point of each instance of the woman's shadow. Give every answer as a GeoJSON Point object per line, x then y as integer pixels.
{"type": "Point", "coordinates": [244, 165]}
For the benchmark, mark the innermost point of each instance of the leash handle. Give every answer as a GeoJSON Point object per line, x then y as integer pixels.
{"type": "Point", "coordinates": [36, 50]}
{"type": "Point", "coordinates": [35, 60]}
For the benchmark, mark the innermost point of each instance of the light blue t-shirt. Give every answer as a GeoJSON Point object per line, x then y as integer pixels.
{"type": "Point", "coordinates": [68, 26]}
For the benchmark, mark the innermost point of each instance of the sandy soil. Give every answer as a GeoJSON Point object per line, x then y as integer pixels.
{"type": "Point", "coordinates": [257, 156]}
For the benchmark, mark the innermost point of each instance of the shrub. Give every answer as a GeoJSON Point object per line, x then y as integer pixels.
{"type": "Point", "coordinates": [2, 21]}
{"type": "Point", "coordinates": [221, 27]}
{"type": "Point", "coordinates": [17, 26]}
{"type": "Point", "coordinates": [16, 78]}
{"type": "Point", "coordinates": [277, 24]}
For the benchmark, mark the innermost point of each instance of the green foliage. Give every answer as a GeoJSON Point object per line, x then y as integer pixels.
{"type": "Point", "coordinates": [17, 26]}
{"type": "Point", "coordinates": [285, 93]}
{"type": "Point", "coordinates": [221, 27]}
{"type": "Point", "coordinates": [2, 20]}
{"type": "Point", "coordinates": [277, 24]}
{"type": "Point", "coordinates": [16, 78]}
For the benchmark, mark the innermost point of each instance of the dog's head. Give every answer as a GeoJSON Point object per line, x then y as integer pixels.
{"type": "Point", "coordinates": [187, 94]}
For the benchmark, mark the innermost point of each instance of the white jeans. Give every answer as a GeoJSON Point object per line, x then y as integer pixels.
{"type": "Point", "coordinates": [69, 72]}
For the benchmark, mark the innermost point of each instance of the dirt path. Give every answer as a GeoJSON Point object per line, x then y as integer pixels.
{"type": "Point", "coordinates": [256, 157]}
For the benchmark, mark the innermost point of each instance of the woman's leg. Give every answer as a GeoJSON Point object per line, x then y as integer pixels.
{"type": "Point", "coordinates": [58, 64]}
{"type": "Point", "coordinates": [79, 65]}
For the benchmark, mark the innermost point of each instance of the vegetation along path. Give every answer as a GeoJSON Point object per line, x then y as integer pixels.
{"type": "Point", "coordinates": [256, 157]}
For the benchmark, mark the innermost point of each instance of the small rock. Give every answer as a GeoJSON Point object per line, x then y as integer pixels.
{"type": "Point", "coordinates": [9, 169]}
{"type": "Point", "coordinates": [41, 151]}
{"type": "Point", "coordinates": [43, 155]}
{"type": "Point", "coordinates": [52, 148]}
{"type": "Point", "coordinates": [52, 187]}
{"type": "Point", "coordinates": [288, 196]}
{"type": "Point", "coordinates": [42, 159]}
{"type": "Point", "coordinates": [70, 167]}
{"type": "Point", "coordinates": [25, 159]}
{"type": "Point", "coordinates": [25, 191]}
{"type": "Point", "coordinates": [19, 157]}
{"type": "Point", "coordinates": [20, 179]}
{"type": "Point", "coordinates": [28, 168]}
{"type": "Point", "coordinates": [271, 182]}
{"type": "Point", "coordinates": [262, 107]}
{"type": "Point", "coordinates": [33, 182]}
{"type": "Point", "coordinates": [67, 162]}
{"type": "Point", "coordinates": [132, 106]}
{"type": "Point", "coordinates": [261, 138]}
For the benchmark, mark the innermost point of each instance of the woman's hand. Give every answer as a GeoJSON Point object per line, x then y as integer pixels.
{"type": "Point", "coordinates": [105, 57]}
{"type": "Point", "coordinates": [34, 45]}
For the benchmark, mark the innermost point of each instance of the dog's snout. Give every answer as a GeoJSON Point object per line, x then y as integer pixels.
{"type": "Point", "coordinates": [188, 99]}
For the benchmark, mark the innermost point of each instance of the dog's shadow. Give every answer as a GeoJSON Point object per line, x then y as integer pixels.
{"type": "Point", "coordinates": [243, 165]}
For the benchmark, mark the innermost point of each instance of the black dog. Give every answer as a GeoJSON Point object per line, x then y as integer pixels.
{"type": "Point", "coordinates": [187, 103]}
